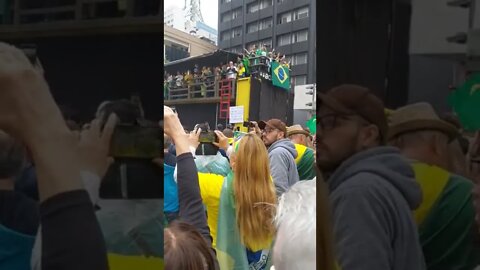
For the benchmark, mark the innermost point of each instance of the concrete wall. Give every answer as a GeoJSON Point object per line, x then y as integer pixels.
{"type": "Point", "coordinates": [196, 45]}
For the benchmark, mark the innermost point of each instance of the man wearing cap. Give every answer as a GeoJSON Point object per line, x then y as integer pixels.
{"type": "Point", "coordinates": [446, 217]}
{"type": "Point", "coordinates": [372, 187]}
{"type": "Point", "coordinates": [282, 154]}
{"type": "Point", "coordinates": [306, 158]}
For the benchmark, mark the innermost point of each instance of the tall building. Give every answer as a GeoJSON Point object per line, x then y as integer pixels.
{"type": "Point", "coordinates": [175, 17]}
{"type": "Point", "coordinates": [205, 31]}
{"type": "Point", "coordinates": [179, 18]}
{"type": "Point", "coordinates": [288, 26]}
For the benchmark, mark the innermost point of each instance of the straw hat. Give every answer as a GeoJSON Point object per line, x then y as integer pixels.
{"type": "Point", "coordinates": [296, 129]}
{"type": "Point", "coordinates": [418, 116]}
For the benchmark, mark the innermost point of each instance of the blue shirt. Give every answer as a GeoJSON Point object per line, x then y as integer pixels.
{"type": "Point", "coordinates": [257, 260]}
{"type": "Point", "coordinates": [170, 203]}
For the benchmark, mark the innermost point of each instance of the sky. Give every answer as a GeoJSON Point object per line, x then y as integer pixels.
{"type": "Point", "coordinates": [209, 9]}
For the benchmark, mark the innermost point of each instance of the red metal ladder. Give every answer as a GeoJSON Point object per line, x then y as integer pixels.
{"type": "Point", "coordinates": [225, 97]}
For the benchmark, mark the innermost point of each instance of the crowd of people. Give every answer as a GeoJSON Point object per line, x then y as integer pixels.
{"type": "Point", "coordinates": [396, 191]}
{"type": "Point", "coordinates": [201, 79]}
{"type": "Point", "coordinates": [396, 188]}
{"type": "Point", "coordinates": [230, 198]}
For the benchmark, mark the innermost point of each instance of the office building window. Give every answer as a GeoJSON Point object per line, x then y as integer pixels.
{"type": "Point", "coordinates": [299, 59]}
{"type": "Point", "coordinates": [226, 1]}
{"type": "Point", "coordinates": [300, 80]}
{"type": "Point", "coordinates": [285, 18]}
{"type": "Point", "coordinates": [267, 43]}
{"type": "Point", "coordinates": [300, 13]}
{"type": "Point", "coordinates": [281, 1]}
{"type": "Point", "coordinates": [253, 7]}
{"type": "Point", "coordinates": [265, 4]}
{"type": "Point", "coordinates": [237, 32]}
{"type": "Point", "coordinates": [225, 35]}
{"type": "Point", "coordinates": [237, 49]}
{"type": "Point", "coordinates": [226, 17]}
{"type": "Point", "coordinates": [252, 27]}
{"type": "Point", "coordinates": [300, 36]}
{"type": "Point", "coordinates": [284, 40]}
{"type": "Point", "coordinates": [236, 13]}
{"type": "Point", "coordinates": [265, 24]}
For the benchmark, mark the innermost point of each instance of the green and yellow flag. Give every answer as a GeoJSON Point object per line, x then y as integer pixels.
{"type": "Point", "coordinates": [466, 103]}
{"type": "Point", "coordinates": [280, 76]}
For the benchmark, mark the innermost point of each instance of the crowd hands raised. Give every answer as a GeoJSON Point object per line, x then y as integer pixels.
{"type": "Point", "coordinates": [250, 62]}
{"type": "Point", "coordinates": [59, 221]}
{"type": "Point", "coordinates": [228, 199]}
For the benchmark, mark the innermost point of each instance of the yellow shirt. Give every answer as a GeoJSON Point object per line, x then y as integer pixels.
{"type": "Point", "coordinates": [241, 71]}
{"type": "Point", "coordinates": [210, 189]}
{"type": "Point", "coordinates": [121, 262]}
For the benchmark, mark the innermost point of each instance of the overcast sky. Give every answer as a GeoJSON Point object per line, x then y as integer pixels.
{"type": "Point", "coordinates": [209, 9]}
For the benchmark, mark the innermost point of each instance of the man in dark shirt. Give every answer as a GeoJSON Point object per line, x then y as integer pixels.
{"type": "Point", "coordinates": [19, 218]}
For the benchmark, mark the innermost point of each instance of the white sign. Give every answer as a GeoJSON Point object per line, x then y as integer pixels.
{"type": "Point", "coordinates": [301, 97]}
{"type": "Point", "coordinates": [236, 114]}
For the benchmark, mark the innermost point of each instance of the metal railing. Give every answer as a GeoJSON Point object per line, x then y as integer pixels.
{"type": "Point", "coordinates": [202, 88]}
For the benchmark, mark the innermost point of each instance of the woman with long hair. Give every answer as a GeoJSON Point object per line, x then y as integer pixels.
{"type": "Point", "coordinates": [246, 204]}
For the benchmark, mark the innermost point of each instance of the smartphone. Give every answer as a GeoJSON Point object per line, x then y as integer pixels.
{"type": "Point", "coordinates": [208, 137]}
{"type": "Point", "coordinates": [132, 141]}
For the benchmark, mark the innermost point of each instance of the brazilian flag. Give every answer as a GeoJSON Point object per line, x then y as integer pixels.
{"type": "Point", "coordinates": [466, 103]}
{"type": "Point", "coordinates": [280, 76]}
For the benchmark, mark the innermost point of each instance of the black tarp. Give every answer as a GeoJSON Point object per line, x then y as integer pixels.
{"type": "Point", "coordinates": [213, 59]}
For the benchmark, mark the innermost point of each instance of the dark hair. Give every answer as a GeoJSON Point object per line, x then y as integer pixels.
{"type": "Point", "coordinates": [126, 111]}
{"type": "Point", "coordinates": [186, 249]}
{"type": "Point", "coordinates": [12, 156]}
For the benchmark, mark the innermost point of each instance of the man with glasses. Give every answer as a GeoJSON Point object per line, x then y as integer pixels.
{"type": "Point", "coordinates": [282, 154]}
{"type": "Point", "coordinates": [372, 187]}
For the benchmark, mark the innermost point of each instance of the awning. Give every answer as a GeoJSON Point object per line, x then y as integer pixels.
{"type": "Point", "coordinates": [213, 59]}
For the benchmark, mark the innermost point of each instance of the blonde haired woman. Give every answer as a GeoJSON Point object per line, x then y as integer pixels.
{"type": "Point", "coordinates": [241, 207]}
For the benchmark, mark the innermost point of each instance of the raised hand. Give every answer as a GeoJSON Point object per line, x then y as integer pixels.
{"type": "Point", "coordinates": [222, 140]}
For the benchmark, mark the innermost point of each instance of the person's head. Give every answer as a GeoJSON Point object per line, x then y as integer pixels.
{"type": "Point", "coordinates": [220, 127]}
{"type": "Point", "coordinates": [298, 135]}
{"type": "Point", "coordinates": [126, 111]}
{"type": "Point", "coordinates": [421, 135]}
{"type": "Point", "coordinates": [254, 193]}
{"type": "Point", "coordinates": [12, 157]}
{"type": "Point", "coordinates": [185, 248]}
{"type": "Point", "coordinates": [228, 132]}
{"type": "Point", "coordinates": [296, 223]}
{"type": "Point", "coordinates": [230, 63]}
{"type": "Point", "coordinates": [272, 130]}
{"type": "Point", "coordinates": [240, 65]}
{"type": "Point", "coordinates": [350, 119]}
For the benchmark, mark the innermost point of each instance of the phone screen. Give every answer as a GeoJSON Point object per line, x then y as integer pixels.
{"type": "Point", "coordinates": [207, 137]}
{"type": "Point", "coordinates": [136, 142]}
